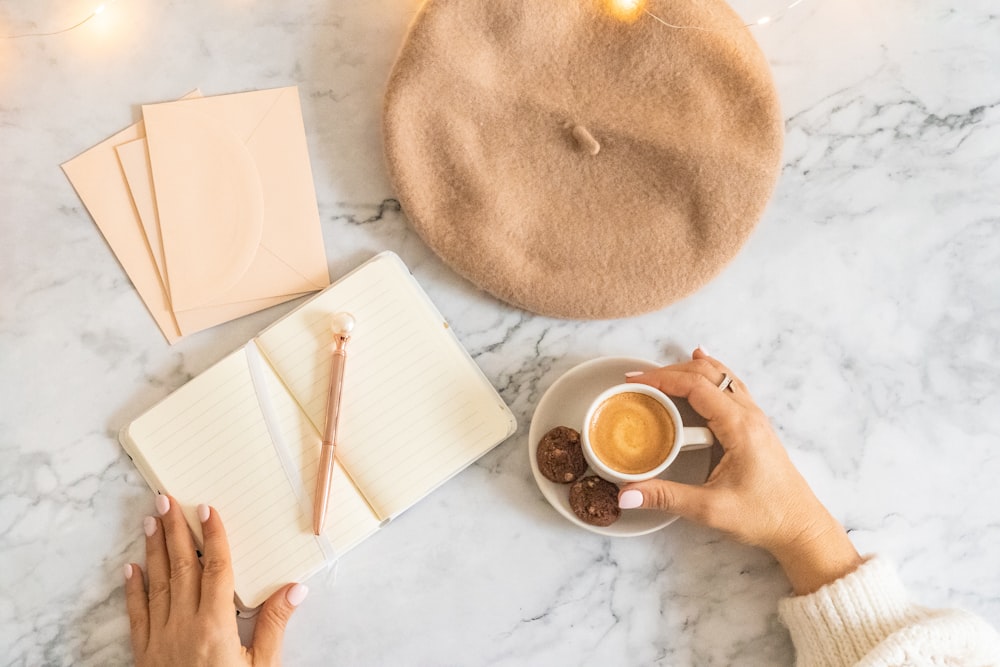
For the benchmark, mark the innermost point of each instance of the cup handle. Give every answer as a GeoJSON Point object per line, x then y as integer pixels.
{"type": "Point", "coordinates": [697, 437]}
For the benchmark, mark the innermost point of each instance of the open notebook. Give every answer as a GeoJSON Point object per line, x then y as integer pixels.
{"type": "Point", "coordinates": [244, 436]}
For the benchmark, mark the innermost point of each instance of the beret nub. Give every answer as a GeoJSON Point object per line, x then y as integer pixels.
{"type": "Point", "coordinates": [576, 164]}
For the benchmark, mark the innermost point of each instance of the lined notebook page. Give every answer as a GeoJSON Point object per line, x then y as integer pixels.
{"type": "Point", "coordinates": [208, 443]}
{"type": "Point", "coordinates": [415, 408]}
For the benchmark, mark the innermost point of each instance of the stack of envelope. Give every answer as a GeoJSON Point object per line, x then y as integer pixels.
{"type": "Point", "coordinates": [209, 205]}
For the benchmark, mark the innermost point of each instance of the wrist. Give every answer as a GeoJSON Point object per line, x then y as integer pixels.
{"type": "Point", "coordinates": [817, 556]}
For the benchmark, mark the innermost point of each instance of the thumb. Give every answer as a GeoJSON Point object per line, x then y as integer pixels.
{"type": "Point", "coordinates": [686, 500]}
{"type": "Point", "coordinates": [271, 621]}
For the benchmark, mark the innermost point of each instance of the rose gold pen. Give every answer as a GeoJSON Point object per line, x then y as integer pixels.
{"type": "Point", "coordinates": [342, 324]}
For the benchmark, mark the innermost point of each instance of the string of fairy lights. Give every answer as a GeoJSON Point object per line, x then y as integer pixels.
{"type": "Point", "coordinates": [627, 9]}
{"type": "Point", "coordinates": [631, 9]}
{"type": "Point", "coordinates": [100, 9]}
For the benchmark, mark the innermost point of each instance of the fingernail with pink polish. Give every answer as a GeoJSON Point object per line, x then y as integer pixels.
{"type": "Point", "coordinates": [204, 511]}
{"type": "Point", "coordinates": [633, 374]}
{"type": "Point", "coordinates": [630, 499]}
{"type": "Point", "coordinates": [162, 504]}
{"type": "Point", "coordinates": [149, 526]}
{"type": "Point", "coordinates": [296, 594]}
{"type": "Point", "coordinates": [128, 570]}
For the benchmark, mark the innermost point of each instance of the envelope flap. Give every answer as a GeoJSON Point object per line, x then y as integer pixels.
{"type": "Point", "coordinates": [209, 198]}
{"type": "Point", "coordinates": [279, 144]}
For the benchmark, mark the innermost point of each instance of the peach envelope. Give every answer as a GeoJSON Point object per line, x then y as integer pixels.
{"type": "Point", "coordinates": [133, 158]}
{"type": "Point", "coordinates": [235, 200]}
{"type": "Point", "coordinates": [100, 182]}
{"type": "Point", "coordinates": [124, 218]}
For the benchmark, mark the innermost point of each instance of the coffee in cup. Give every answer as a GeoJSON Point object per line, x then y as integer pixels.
{"type": "Point", "coordinates": [633, 432]}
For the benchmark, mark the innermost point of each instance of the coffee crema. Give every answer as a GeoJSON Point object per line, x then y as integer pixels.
{"type": "Point", "coordinates": [631, 433]}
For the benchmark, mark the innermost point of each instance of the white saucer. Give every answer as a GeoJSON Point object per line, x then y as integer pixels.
{"type": "Point", "coordinates": [565, 403]}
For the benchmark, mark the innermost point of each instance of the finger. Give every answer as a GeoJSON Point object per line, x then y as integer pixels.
{"type": "Point", "coordinates": [716, 373]}
{"type": "Point", "coordinates": [700, 355]}
{"type": "Point", "coordinates": [138, 610]}
{"type": "Point", "coordinates": [158, 571]}
{"type": "Point", "coordinates": [217, 567]}
{"type": "Point", "coordinates": [703, 366]}
{"type": "Point", "coordinates": [713, 369]}
{"type": "Point", "coordinates": [272, 620]}
{"type": "Point", "coordinates": [691, 502]}
{"type": "Point", "coordinates": [185, 570]}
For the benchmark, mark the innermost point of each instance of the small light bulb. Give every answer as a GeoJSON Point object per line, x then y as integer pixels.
{"type": "Point", "coordinates": [100, 9]}
{"type": "Point", "coordinates": [763, 20]}
{"type": "Point", "coordinates": [626, 10]}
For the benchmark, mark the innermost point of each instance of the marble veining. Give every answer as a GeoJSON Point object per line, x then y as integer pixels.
{"type": "Point", "coordinates": [863, 313]}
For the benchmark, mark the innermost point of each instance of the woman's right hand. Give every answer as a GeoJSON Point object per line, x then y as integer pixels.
{"type": "Point", "coordinates": [755, 494]}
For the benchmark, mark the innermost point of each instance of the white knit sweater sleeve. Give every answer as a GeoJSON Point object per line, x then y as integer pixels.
{"type": "Point", "coordinates": [866, 618]}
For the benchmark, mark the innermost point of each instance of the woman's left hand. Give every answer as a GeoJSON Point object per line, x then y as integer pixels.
{"type": "Point", "coordinates": [186, 615]}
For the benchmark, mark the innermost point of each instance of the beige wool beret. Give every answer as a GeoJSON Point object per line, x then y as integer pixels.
{"type": "Point", "coordinates": [576, 162]}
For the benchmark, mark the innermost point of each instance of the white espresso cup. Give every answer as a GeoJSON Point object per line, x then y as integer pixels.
{"type": "Point", "coordinates": [631, 434]}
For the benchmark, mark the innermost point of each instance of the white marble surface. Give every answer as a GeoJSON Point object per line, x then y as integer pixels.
{"type": "Point", "coordinates": [864, 313]}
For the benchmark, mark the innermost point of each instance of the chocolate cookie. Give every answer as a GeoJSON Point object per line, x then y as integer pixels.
{"type": "Point", "coordinates": [595, 501]}
{"type": "Point", "coordinates": [560, 456]}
